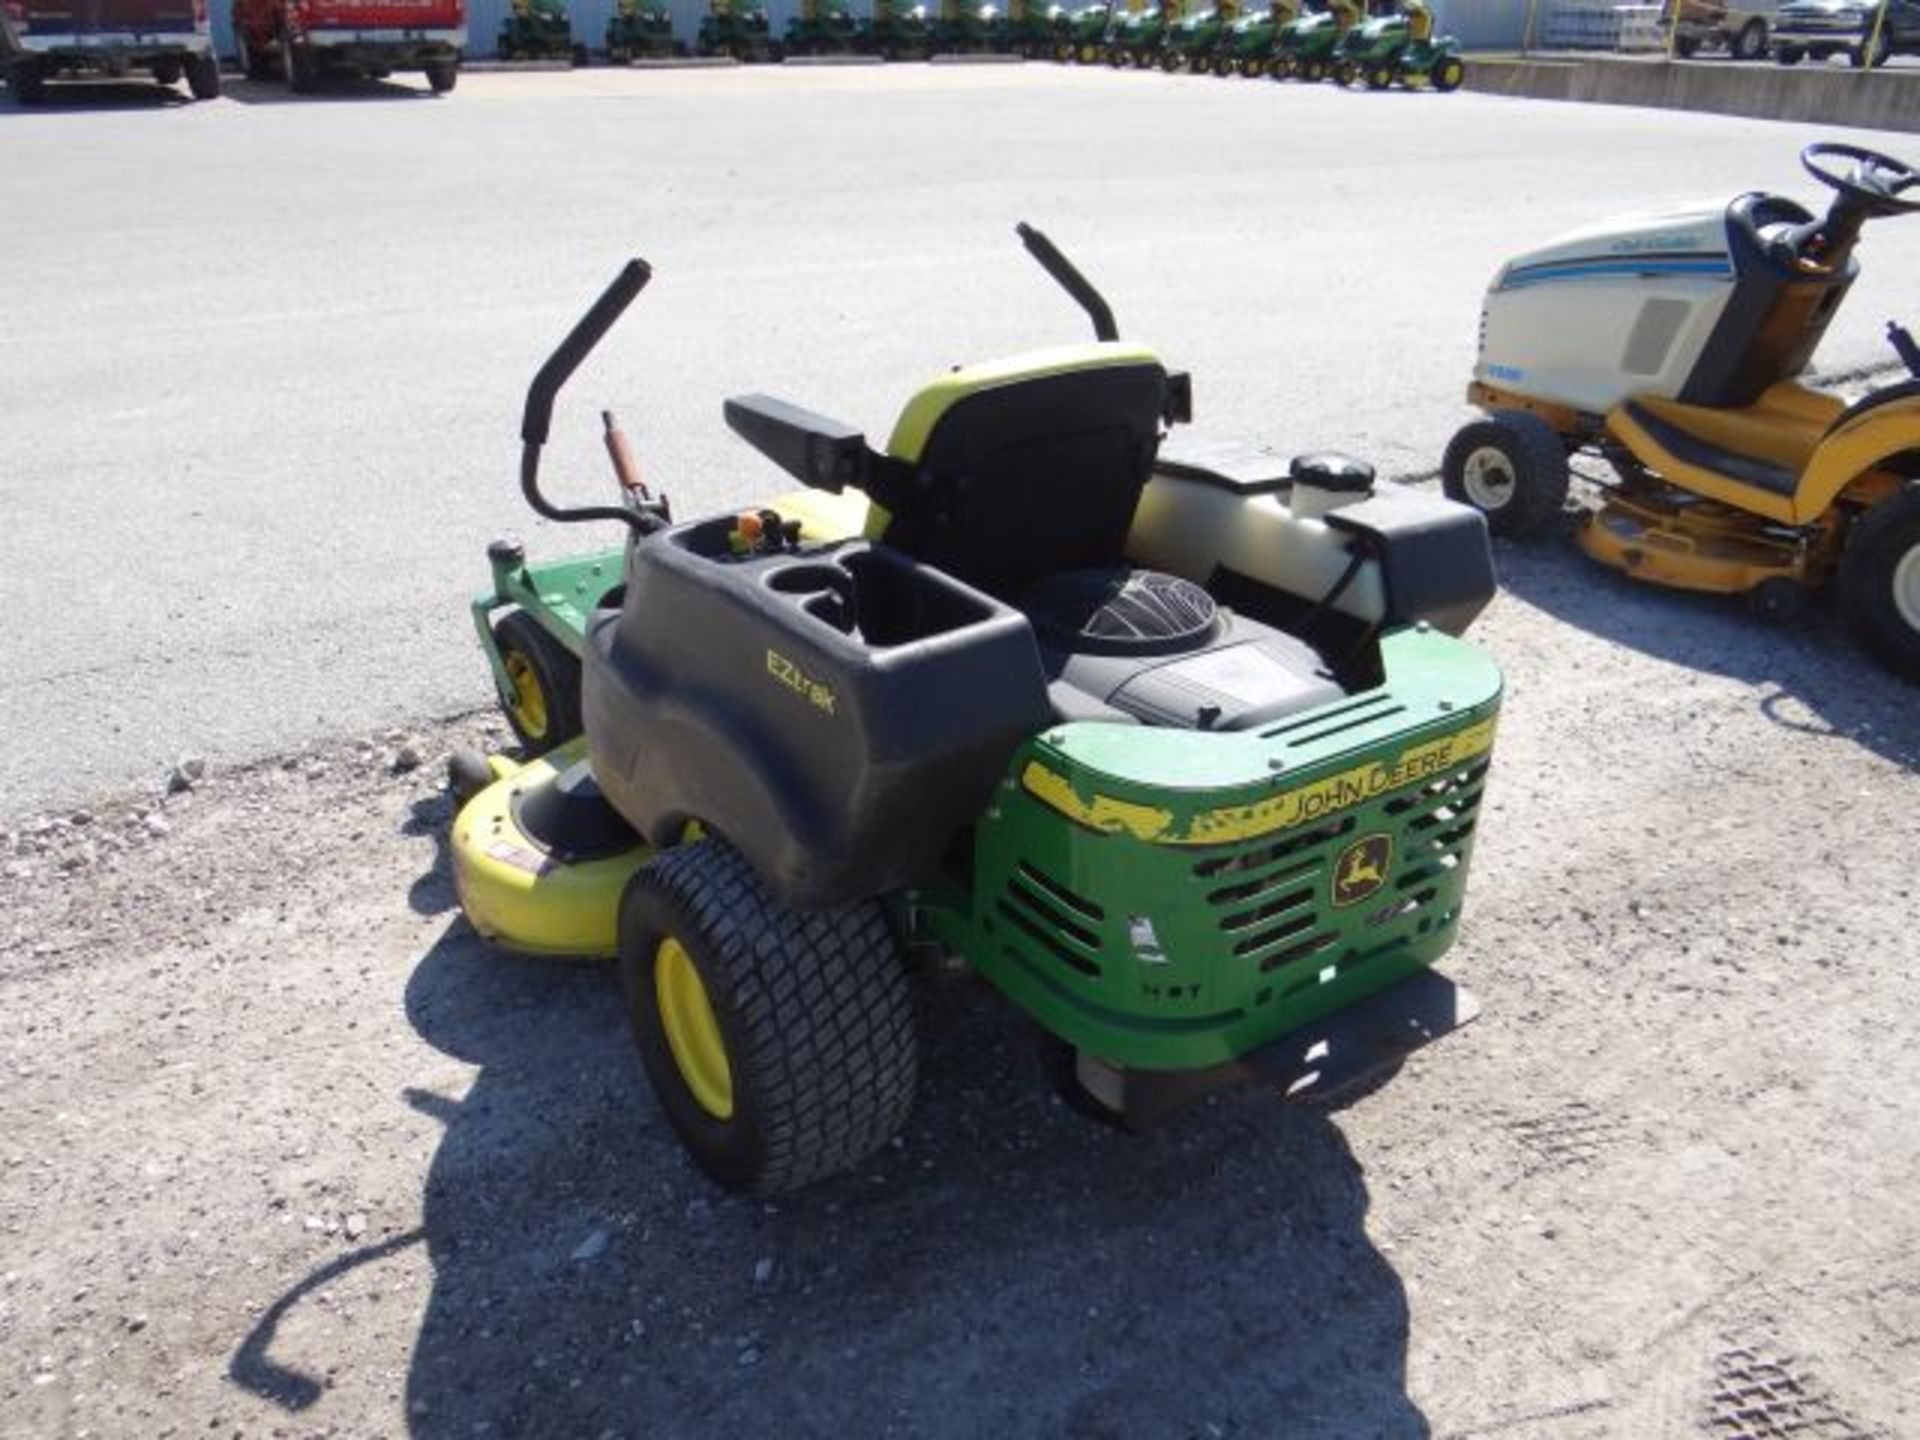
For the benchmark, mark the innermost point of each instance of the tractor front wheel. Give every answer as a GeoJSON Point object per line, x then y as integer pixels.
{"type": "Point", "coordinates": [1284, 68]}
{"type": "Point", "coordinates": [1512, 468]}
{"type": "Point", "coordinates": [1880, 581]}
{"type": "Point", "coordinates": [1379, 78]}
{"type": "Point", "coordinates": [1314, 71]}
{"type": "Point", "coordinates": [544, 705]}
{"type": "Point", "coordinates": [1448, 74]}
{"type": "Point", "coordinates": [780, 1045]}
{"type": "Point", "coordinates": [203, 76]}
{"type": "Point", "coordinates": [442, 76]}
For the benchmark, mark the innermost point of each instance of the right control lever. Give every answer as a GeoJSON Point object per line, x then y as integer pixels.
{"type": "Point", "coordinates": [1904, 346]}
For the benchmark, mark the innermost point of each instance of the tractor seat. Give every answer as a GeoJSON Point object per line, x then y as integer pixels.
{"type": "Point", "coordinates": [1023, 468]}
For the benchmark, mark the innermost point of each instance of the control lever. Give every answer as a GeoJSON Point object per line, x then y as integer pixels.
{"type": "Point", "coordinates": [1904, 346]}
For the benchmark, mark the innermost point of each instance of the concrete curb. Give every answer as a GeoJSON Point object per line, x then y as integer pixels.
{"type": "Point", "coordinates": [987, 58]}
{"type": "Point", "coordinates": [829, 61]}
{"type": "Point", "coordinates": [1875, 100]}
{"type": "Point", "coordinates": [680, 62]}
{"type": "Point", "coordinates": [515, 67]}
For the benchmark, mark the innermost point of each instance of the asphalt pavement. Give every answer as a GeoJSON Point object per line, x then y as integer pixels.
{"type": "Point", "coordinates": [263, 358]}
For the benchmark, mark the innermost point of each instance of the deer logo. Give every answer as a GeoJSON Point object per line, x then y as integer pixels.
{"type": "Point", "coordinates": [1362, 869]}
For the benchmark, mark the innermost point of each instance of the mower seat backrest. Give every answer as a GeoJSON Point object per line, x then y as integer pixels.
{"type": "Point", "coordinates": [1419, 23]}
{"type": "Point", "coordinates": [1028, 467]}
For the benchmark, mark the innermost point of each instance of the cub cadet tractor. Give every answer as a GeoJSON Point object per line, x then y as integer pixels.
{"type": "Point", "coordinates": [1249, 47]}
{"type": "Point", "coordinates": [639, 29]}
{"type": "Point", "coordinates": [1667, 345]}
{"type": "Point", "coordinates": [1086, 40]}
{"type": "Point", "coordinates": [1191, 44]}
{"type": "Point", "coordinates": [1307, 47]}
{"type": "Point", "coordinates": [898, 30]}
{"type": "Point", "coordinates": [822, 27]}
{"type": "Point", "coordinates": [1138, 35]}
{"type": "Point", "coordinates": [539, 30]}
{"type": "Point", "coordinates": [1174, 744]}
{"type": "Point", "coordinates": [738, 28]}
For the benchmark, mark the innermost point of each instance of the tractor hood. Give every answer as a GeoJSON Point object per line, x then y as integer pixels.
{"type": "Point", "coordinates": [1690, 240]}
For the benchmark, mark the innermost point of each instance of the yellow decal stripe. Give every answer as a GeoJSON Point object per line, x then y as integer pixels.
{"type": "Point", "coordinates": [1299, 806]}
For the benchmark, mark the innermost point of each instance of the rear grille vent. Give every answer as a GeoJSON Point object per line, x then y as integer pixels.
{"type": "Point", "coordinates": [1054, 918]}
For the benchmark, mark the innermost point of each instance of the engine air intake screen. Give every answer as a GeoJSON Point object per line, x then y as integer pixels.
{"type": "Point", "coordinates": [1122, 612]}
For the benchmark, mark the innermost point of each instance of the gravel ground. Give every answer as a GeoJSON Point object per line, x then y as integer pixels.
{"type": "Point", "coordinates": [289, 1152]}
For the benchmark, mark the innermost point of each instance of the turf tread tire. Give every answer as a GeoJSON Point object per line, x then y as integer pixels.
{"type": "Point", "coordinates": [814, 1008]}
{"type": "Point", "coordinates": [1539, 459]}
{"type": "Point", "coordinates": [557, 670]}
{"type": "Point", "coordinates": [1877, 543]}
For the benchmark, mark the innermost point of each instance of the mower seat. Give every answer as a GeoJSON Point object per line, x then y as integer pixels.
{"type": "Point", "coordinates": [1009, 472]}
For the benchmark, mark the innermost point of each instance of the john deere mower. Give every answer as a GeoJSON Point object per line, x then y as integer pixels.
{"type": "Point", "coordinates": [1399, 46]}
{"type": "Point", "coordinates": [738, 28]}
{"type": "Point", "coordinates": [969, 27]}
{"type": "Point", "coordinates": [1087, 28]}
{"type": "Point", "coordinates": [639, 29]}
{"type": "Point", "coordinates": [1307, 47]}
{"type": "Point", "coordinates": [1173, 743]}
{"type": "Point", "coordinates": [1137, 35]}
{"type": "Point", "coordinates": [1037, 30]}
{"type": "Point", "coordinates": [1668, 346]}
{"type": "Point", "coordinates": [822, 27]}
{"type": "Point", "coordinates": [898, 30]}
{"type": "Point", "coordinates": [1250, 44]}
{"type": "Point", "coordinates": [1190, 44]}
{"type": "Point", "coordinates": [539, 30]}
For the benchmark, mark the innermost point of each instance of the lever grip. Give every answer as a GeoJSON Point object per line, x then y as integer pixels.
{"type": "Point", "coordinates": [566, 358]}
{"type": "Point", "coordinates": [1070, 280]}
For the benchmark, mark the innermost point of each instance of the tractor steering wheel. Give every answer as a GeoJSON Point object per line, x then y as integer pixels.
{"type": "Point", "coordinates": [1875, 182]}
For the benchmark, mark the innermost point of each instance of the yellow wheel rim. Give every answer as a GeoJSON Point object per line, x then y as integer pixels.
{"type": "Point", "coordinates": [529, 704]}
{"type": "Point", "coordinates": [692, 1033]}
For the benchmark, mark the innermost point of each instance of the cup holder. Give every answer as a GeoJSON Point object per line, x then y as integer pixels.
{"type": "Point", "coordinates": [807, 579]}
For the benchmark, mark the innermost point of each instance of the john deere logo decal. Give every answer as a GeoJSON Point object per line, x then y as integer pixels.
{"type": "Point", "coordinates": [1362, 869]}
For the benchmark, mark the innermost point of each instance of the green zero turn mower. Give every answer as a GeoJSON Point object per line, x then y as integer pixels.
{"type": "Point", "coordinates": [738, 28]}
{"type": "Point", "coordinates": [1172, 742]}
{"type": "Point", "coordinates": [1307, 46]}
{"type": "Point", "coordinates": [539, 30]}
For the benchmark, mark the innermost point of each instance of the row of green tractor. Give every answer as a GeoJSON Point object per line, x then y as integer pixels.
{"type": "Point", "coordinates": [1309, 40]}
{"type": "Point", "coordinates": [1285, 39]}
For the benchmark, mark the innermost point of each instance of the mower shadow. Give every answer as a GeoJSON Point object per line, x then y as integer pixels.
{"type": "Point", "coordinates": [1812, 675]}
{"type": "Point", "coordinates": [1007, 1268]}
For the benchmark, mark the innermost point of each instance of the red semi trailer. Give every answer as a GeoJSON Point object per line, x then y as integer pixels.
{"type": "Point", "coordinates": [44, 40]}
{"type": "Point", "coordinates": [301, 40]}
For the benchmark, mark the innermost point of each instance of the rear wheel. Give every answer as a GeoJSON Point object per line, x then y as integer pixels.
{"type": "Point", "coordinates": [1379, 78]}
{"type": "Point", "coordinates": [203, 76]}
{"type": "Point", "coordinates": [1285, 67]}
{"type": "Point", "coordinates": [1314, 71]}
{"type": "Point", "coordinates": [27, 78]}
{"type": "Point", "coordinates": [544, 706]}
{"type": "Point", "coordinates": [302, 67]}
{"type": "Point", "coordinates": [1751, 42]}
{"type": "Point", "coordinates": [1448, 74]}
{"type": "Point", "coordinates": [780, 1045]}
{"type": "Point", "coordinates": [1880, 581]}
{"type": "Point", "coordinates": [1512, 468]}
{"type": "Point", "coordinates": [1345, 73]}
{"type": "Point", "coordinates": [442, 76]}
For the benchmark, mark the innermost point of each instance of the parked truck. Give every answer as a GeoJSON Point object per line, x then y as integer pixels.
{"type": "Point", "coordinates": [300, 41]}
{"type": "Point", "coordinates": [44, 40]}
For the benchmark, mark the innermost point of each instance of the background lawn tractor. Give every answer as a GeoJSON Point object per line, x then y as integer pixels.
{"type": "Point", "coordinates": [899, 31]}
{"type": "Point", "coordinates": [1192, 43]}
{"type": "Point", "coordinates": [539, 30]}
{"type": "Point", "coordinates": [738, 28]}
{"type": "Point", "coordinates": [1138, 34]}
{"type": "Point", "coordinates": [1087, 34]}
{"type": "Point", "coordinates": [1250, 45]}
{"type": "Point", "coordinates": [1173, 743]}
{"type": "Point", "coordinates": [1038, 30]}
{"type": "Point", "coordinates": [822, 27]}
{"type": "Point", "coordinates": [1399, 46]}
{"type": "Point", "coordinates": [1668, 345]}
{"type": "Point", "coordinates": [639, 29]}
{"type": "Point", "coordinates": [1307, 47]}
{"type": "Point", "coordinates": [969, 27]}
